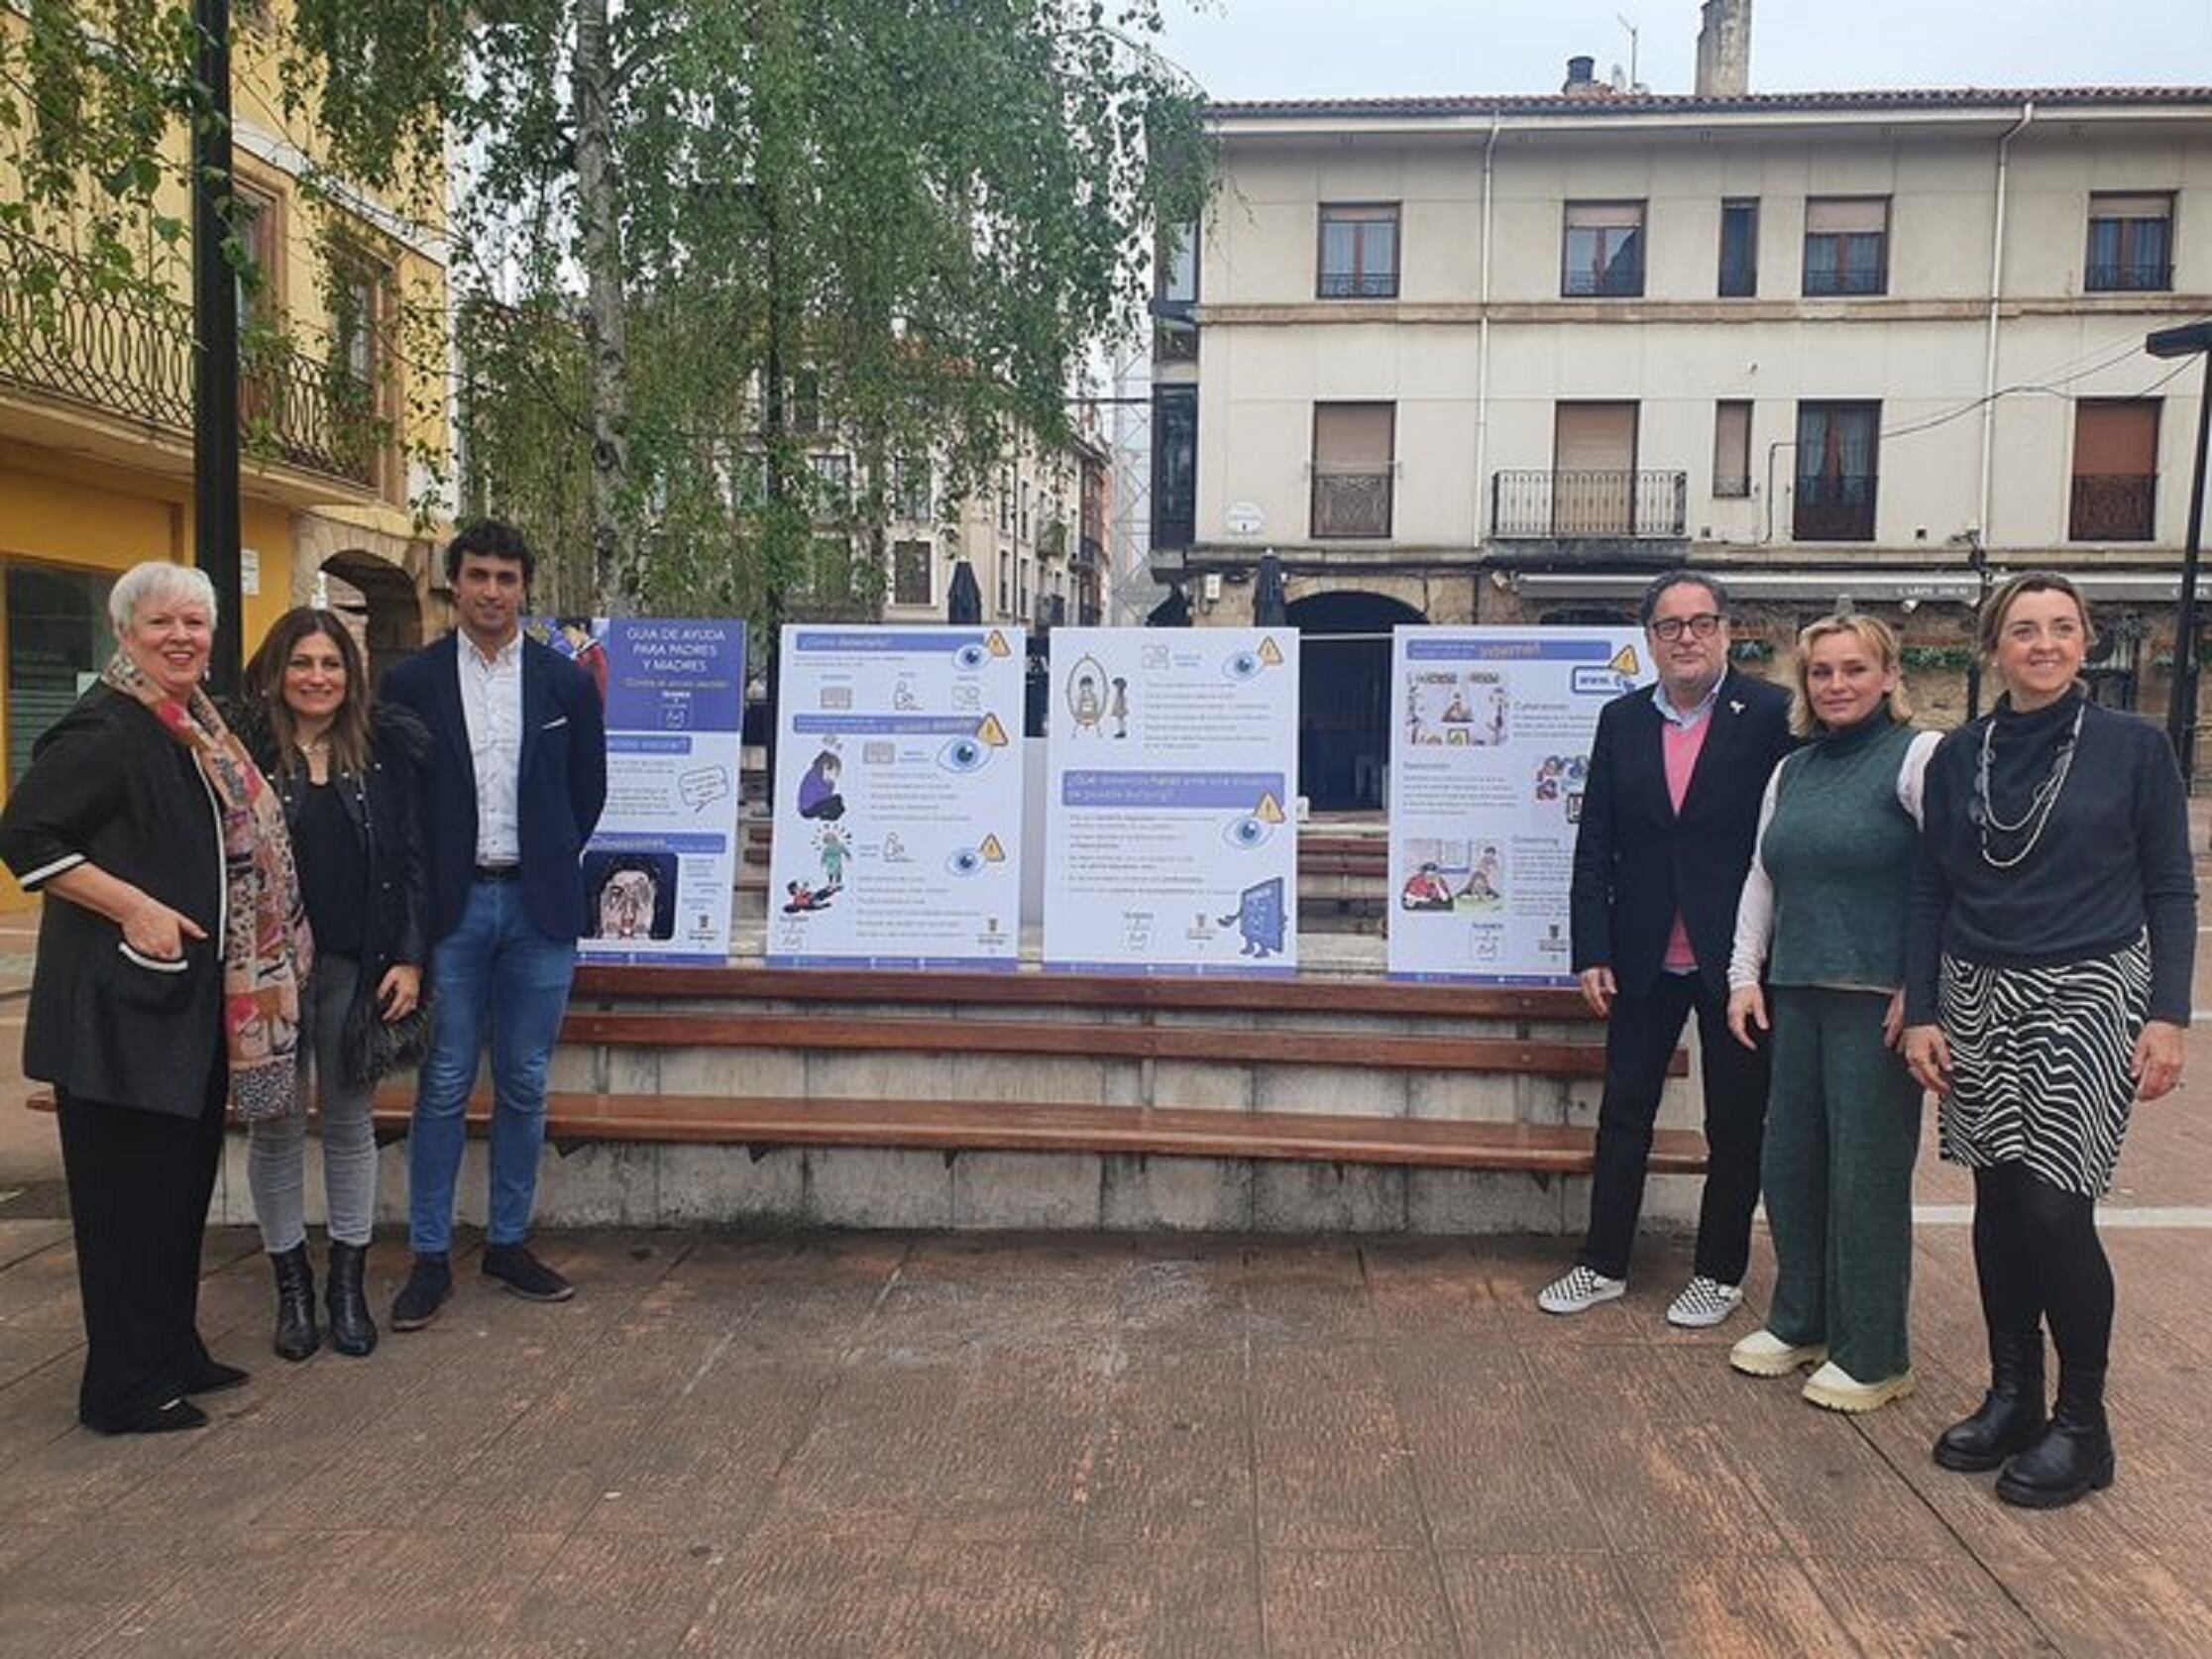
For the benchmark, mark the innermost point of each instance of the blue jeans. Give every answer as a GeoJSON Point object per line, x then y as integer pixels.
{"type": "Point", "coordinates": [493, 966]}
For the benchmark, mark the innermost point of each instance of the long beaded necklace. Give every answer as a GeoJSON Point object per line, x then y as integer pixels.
{"type": "Point", "coordinates": [2040, 803]}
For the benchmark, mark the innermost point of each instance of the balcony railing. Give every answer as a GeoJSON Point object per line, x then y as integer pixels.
{"type": "Point", "coordinates": [1090, 553]}
{"type": "Point", "coordinates": [1576, 504]}
{"type": "Point", "coordinates": [1622, 280]}
{"type": "Point", "coordinates": [2129, 276]}
{"type": "Point", "coordinates": [1834, 508]}
{"type": "Point", "coordinates": [1352, 503]}
{"type": "Point", "coordinates": [1358, 285]}
{"type": "Point", "coordinates": [2113, 507]}
{"type": "Point", "coordinates": [131, 355]}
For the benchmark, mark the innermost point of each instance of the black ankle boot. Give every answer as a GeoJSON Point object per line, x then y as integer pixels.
{"type": "Point", "coordinates": [352, 1332]}
{"type": "Point", "coordinates": [2072, 1457]}
{"type": "Point", "coordinates": [296, 1336]}
{"type": "Point", "coordinates": [2011, 1414]}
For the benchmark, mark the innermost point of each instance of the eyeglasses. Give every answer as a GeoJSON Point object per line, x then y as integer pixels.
{"type": "Point", "coordinates": [1704, 626]}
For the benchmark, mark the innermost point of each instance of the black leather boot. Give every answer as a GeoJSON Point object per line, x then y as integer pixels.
{"type": "Point", "coordinates": [2011, 1414]}
{"type": "Point", "coordinates": [2072, 1458]}
{"type": "Point", "coordinates": [352, 1332]}
{"type": "Point", "coordinates": [296, 1336]}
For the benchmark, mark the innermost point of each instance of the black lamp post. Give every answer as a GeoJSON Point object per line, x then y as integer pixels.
{"type": "Point", "coordinates": [2189, 340]}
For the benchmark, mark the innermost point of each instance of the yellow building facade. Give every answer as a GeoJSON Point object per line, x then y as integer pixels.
{"type": "Point", "coordinates": [343, 414]}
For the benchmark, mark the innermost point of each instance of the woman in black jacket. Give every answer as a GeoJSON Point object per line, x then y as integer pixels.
{"type": "Point", "coordinates": [172, 947]}
{"type": "Point", "coordinates": [346, 773]}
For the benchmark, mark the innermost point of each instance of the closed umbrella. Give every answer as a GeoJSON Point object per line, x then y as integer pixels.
{"type": "Point", "coordinates": [964, 600]}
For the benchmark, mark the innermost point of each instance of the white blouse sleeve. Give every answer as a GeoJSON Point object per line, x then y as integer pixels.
{"type": "Point", "coordinates": [1912, 776]}
{"type": "Point", "coordinates": [1754, 927]}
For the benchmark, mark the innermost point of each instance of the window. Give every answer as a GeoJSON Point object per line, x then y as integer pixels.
{"type": "Point", "coordinates": [58, 640]}
{"type": "Point", "coordinates": [1835, 477]}
{"type": "Point", "coordinates": [911, 490]}
{"type": "Point", "coordinates": [259, 223]}
{"type": "Point", "coordinates": [1023, 525]}
{"type": "Point", "coordinates": [833, 481]}
{"type": "Point", "coordinates": [359, 286]}
{"type": "Point", "coordinates": [1352, 472]}
{"type": "Point", "coordinates": [1594, 468]}
{"type": "Point", "coordinates": [1175, 466]}
{"type": "Point", "coordinates": [2115, 470]}
{"type": "Point", "coordinates": [2131, 244]}
{"type": "Point", "coordinates": [1740, 248]}
{"type": "Point", "coordinates": [1601, 251]}
{"type": "Point", "coordinates": [1846, 245]}
{"type": "Point", "coordinates": [1732, 450]}
{"type": "Point", "coordinates": [1174, 293]}
{"type": "Point", "coordinates": [1359, 250]}
{"type": "Point", "coordinates": [910, 565]}
{"type": "Point", "coordinates": [805, 399]}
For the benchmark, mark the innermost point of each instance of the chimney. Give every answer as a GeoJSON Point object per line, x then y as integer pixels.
{"type": "Point", "coordinates": [1725, 49]}
{"type": "Point", "coordinates": [1582, 79]}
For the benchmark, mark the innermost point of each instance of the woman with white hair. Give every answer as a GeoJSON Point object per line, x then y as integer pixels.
{"type": "Point", "coordinates": [171, 953]}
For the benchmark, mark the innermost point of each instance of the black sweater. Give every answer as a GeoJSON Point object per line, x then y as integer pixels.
{"type": "Point", "coordinates": [2113, 858]}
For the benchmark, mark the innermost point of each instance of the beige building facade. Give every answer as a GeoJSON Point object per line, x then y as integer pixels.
{"type": "Point", "coordinates": [1502, 358]}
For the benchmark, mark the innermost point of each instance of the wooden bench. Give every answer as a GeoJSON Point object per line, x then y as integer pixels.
{"type": "Point", "coordinates": [1130, 1028]}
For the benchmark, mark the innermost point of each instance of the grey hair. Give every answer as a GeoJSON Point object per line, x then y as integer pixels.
{"type": "Point", "coordinates": [157, 579]}
{"type": "Point", "coordinates": [1677, 579]}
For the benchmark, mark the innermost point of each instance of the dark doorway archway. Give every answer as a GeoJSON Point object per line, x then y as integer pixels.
{"type": "Point", "coordinates": [1344, 697]}
{"type": "Point", "coordinates": [379, 599]}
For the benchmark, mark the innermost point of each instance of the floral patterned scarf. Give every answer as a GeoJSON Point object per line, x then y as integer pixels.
{"type": "Point", "coordinates": [267, 948]}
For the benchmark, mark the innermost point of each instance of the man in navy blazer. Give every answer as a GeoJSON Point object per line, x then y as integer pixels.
{"type": "Point", "coordinates": [1662, 847]}
{"type": "Point", "coordinates": [518, 776]}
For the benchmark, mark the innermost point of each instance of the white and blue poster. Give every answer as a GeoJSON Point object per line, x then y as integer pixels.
{"type": "Point", "coordinates": [898, 805]}
{"type": "Point", "coordinates": [1171, 843]}
{"type": "Point", "coordinates": [1491, 733]}
{"type": "Point", "coordinates": [659, 872]}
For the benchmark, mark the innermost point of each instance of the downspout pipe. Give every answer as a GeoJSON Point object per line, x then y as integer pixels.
{"type": "Point", "coordinates": [1482, 353]}
{"type": "Point", "coordinates": [1978, 553]}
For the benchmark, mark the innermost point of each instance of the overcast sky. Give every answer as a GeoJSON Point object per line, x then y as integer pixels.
{"type": "Point", "coordinates": [1270, 48]}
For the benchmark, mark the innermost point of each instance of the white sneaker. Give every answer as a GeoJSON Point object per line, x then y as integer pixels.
{"type": "Point", "coordinates": [1839, 1390]}
{"type": "Point", "coordinates": [1763, 1354]}
{"type": "Point", "coordinates": [1703, 1302]}
{"type": "Point", "coordinates": [1578, 1290]}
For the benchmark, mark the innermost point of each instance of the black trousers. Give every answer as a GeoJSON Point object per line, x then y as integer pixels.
{"type": "Point", "coordinates": [1640, 1040]}
{"type": "Point", "coordinates": [139, 1187]}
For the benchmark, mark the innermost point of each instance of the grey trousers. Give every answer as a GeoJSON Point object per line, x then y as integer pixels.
{"type": "Point", "coordinates": [276, 1155]}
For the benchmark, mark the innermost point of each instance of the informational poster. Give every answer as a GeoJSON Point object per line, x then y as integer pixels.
{"type": "Point", "coordinates": [1491, 733]}
{"type": "Point", "coordinates": [1172, 844]}
{"type": "Point", "coordinates": [898, 805]}
{"type": "Point", "coordinates": [659, 872]}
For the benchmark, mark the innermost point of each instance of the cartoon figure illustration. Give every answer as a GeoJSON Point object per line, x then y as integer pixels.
{"type": "Point", "coordinates": [1498, 715]}
{"type": "Point", "coordinates": [626, 905]}
{"type": "Point", "coordinates": [800, 898]}
{"type": "Point", "coordinates": [902, 697]}
{"type": "Point", "coordinates": [1490, 867]}
{"type": "Point", "coordinates": [834, 853]}
{"type": "Point", "coordinates": [1425, 889]}
{"type": "Point", "coordinates": [1455, 712]}
{"type": "Point", "coordinates": [817, 790]}
{"type": "Point", "coordinates": [1260, 918]}
{"type": "Point", "coordinates": [585, 648]}
{"type": "Point", "coordinates": [1119, 707]}
{"type": "Point", "coordinates": [1086, 695]}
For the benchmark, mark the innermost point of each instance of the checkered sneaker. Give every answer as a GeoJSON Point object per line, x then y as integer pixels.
{"type": "Point", "coordinates": [1576, 1289]}
{"type": "Point", "coordinates": [1703, 1302]}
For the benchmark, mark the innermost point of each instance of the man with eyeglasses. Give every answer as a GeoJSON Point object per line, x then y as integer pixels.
{"type": "Point", "coordinates": [1669, 814]}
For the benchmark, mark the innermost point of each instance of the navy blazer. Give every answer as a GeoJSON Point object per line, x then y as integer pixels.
{"type": "Point", "coordinates": [558, 796]}
{"type": "Point", "coordinates": [1637, 862]}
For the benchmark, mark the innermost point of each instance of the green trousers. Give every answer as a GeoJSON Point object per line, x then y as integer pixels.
{"type": "Point", "coordinates": [1843, 1131]}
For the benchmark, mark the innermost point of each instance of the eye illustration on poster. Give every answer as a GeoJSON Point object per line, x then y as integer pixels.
{"type": "Point", "coordinates": [1492, 727]}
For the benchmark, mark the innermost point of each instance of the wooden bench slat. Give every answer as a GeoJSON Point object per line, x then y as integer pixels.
{"type": "Point", "coordinates": [1305, 994]}
{"type": "Point", "coordinates": [1229, 1045]}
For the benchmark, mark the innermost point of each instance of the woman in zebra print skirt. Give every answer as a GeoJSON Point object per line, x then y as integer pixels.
{"type": "Point", "coordinates": [2049, 949]}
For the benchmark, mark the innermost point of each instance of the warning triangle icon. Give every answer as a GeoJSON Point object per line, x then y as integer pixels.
{"type": "Point", "coordinates": [996, 644]}
{"type": "Point", "coordinates": [1269, 653]}
{"type": "Point", "coordinates": [1270, 810]}
{"type": "Point", "coordinates": [1625, 662]}
{"type": "Point", "coordinates": [991, 732]}
{"type": "Point", "coordinates": [991, 851]}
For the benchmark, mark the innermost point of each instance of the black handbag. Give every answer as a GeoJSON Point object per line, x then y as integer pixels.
{"type": "Point", "coordinates": [372, 1047]}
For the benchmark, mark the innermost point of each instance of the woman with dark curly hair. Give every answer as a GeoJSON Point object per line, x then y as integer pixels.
{"type": "Point", "coordinates": [346, 772]}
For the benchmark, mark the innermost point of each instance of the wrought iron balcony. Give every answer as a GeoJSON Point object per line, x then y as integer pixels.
{"type": "Point", "coordinates": [1353, 505]}
{"type": "Point", "coordinates": [1838, 508]}
{"type": "Point", "coordinates": [64, 336]}
{"type": "Point", "coordinates": [2113, 507]}
{"type": "Point", "coordinates": [1575, 503]}
{"type": "Point", "coordinates": [2129, 276]}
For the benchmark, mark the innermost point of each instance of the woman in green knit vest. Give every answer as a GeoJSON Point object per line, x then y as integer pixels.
{"type": "Point", "coordinates": [1822, 922]}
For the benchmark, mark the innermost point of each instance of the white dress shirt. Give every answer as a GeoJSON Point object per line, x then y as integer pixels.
{"type": "Point", "coordinates": [491, 703]}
